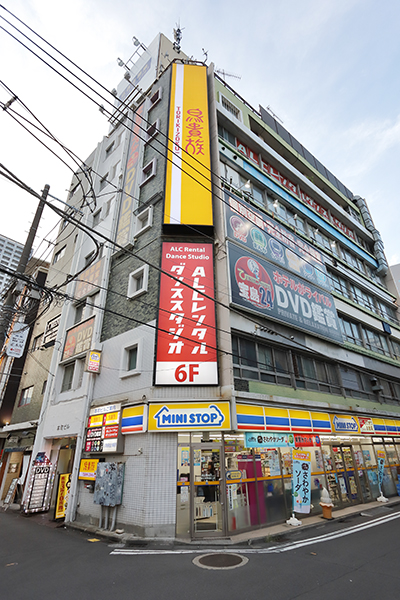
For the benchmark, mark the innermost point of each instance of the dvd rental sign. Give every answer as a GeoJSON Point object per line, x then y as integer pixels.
{"type": "Point", "coordinates": [277, 294]}
{"type": "Point", "coordinates": [186, 336]}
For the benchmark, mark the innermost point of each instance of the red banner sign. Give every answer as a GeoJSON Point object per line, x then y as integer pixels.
{"type": "Point", "coordinates": [186, 341]}
{"type": "Point", "coordinates": [293, 188]}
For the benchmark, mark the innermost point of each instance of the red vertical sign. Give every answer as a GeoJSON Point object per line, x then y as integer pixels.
{"type": "Point", "coordinates": [186, 340]}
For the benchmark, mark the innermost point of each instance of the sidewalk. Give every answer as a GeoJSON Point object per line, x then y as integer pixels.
{"type": "Point", "coordinates": [250, 537]}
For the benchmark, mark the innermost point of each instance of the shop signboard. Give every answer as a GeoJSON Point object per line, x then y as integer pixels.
{"type": "Point", "coordinates": [186, 334]}
{"type": "Point", "coordinates": [261, 287]}
{"type": "Point", "coordinates": [93, 361]}
{"type": "Point", "coordinates": [87, 468]}
{"type": "Point", "coordinates": [182, 416]}
{"type": "Point", "coordinates": [293, 188]}
{"type": "Point", "coordinates": [269, 440]}
{"type": "Point", "coordinates": [103, 429]}
{"type": "Point", "coordinates": [40, 485]}
{"type": "Point", "coordinates": [366, 425]}
{"type": "Point", "coordinates": [78, 339]}
{"type": "Point", "coordinates": [301, 481]}
{"type": "Point", "coordinates": [306, 441]}
{"type": "Point", "coordinates": [344, 424]}
{"type": "Point", "coordinates": [51, 330]}
{"type": "Point", "coordinates": [89, 280]}
{"type": "Point", "coordinates": [64, 484]}
{"type": "Point", "coordinates": [134, 419]}
{"type": "Point", "coordinates": [16, 343]}
{"type": "Point", "coordinates": [126, 216]}
{"type": "Point", "coordinates": [233, 475]}
{"type": "Point", "coordinates": [259, 233]}
{"type": "Point", "coordinates": [188, 199]}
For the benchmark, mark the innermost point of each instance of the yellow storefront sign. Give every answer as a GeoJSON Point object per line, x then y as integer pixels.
{"type": "Point", "coordinates": [188, 198]}
{"type": "Point", "coordinates": [202, 416]}
{"type": "Point", "coordinates": [88, 468]}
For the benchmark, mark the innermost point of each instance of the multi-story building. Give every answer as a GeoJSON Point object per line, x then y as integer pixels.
{"type": "Point", "coordinates": [10, 253]}
{"type": "Point", "coordinates": [235, 310]}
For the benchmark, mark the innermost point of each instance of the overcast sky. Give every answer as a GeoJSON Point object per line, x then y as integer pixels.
{"type": "Point", "coordinates": [329, 69]}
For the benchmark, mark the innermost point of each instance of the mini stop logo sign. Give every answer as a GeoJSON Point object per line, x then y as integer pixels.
{"type": "Point", "coordinates": [186, 338]}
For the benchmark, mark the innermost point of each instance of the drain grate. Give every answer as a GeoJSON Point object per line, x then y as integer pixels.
{"type": "Point", "coordinates": [220, 560]}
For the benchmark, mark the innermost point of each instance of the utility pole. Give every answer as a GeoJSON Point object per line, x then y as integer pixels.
{"type": "Point", "coordinates": [8, 306]}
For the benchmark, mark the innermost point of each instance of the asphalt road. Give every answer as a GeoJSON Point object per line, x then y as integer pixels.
{"type": "Point", "coordinates": [357, 558]}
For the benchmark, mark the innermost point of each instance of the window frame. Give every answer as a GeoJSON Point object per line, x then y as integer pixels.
{"type": "Point", "coordinates": [124, 371]}
{"type": "Point", "coordinates": [133, 291]}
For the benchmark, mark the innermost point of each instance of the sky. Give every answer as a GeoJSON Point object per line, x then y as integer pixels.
{"type": "Point", "coordinates": [329, 69]}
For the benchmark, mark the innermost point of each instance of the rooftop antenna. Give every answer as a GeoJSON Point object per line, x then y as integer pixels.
{"type": "Point", "coordinates": [269, 109]}
{"type": "Point", "coordinates": [205, 52]}
{"type": "Point", "coordinates": [177, 38]}
{"type": "Point", "coordinates": [224, 74]}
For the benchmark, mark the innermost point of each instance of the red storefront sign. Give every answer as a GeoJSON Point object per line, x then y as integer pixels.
{"type": "Point", "coordinates": [305, 441]}
{"type": "Point", "coordinates": [293, 188]}
{"type": "Point", "coordinates": [186, 339]}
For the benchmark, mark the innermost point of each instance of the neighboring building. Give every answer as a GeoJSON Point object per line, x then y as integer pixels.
{"type": "Point", "coordinates": [10, 253]}
{"type": "Point", "coordinates": [238, 303]}
{"type": "Point", "coordinates": [395, 272]}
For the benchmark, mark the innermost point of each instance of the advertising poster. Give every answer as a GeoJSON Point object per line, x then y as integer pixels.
{"type": "Point", "coordinates": [259, 286]}
{"type": "Point", "coordinates": [186, 335]}
{"type": "Point", "coordinates": [380, 455]}
{"type": "Point", "coordinates": [301, 481]}
{"type": "Point", "coordinates": [269, 440]}
{"type": "Point", "coordinates": [87, 468]}
{"type": "Point", "coordinates": [261, 234]}
{"type": "Point", "coordinates": [89, 281]}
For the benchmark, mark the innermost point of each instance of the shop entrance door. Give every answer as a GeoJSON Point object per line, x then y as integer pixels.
{"type": "Point", "coordinates": [207, 500]}
{"type": "Point", "coordinates": [347, 475]}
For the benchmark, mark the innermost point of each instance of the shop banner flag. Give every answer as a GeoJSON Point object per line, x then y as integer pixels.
{"type": "Point", "coordinates": [301, 481]}
{"type": "Point", "coordinates": [381, 467]}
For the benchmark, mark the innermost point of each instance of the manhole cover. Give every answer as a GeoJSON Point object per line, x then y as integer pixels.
{"type": "Point", "coordinates": [221, 560]}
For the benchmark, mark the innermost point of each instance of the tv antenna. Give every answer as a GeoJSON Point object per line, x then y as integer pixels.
{"type": "Point", "coordinates": [177, 38]}
{"type": "Point", "coordinates": [224, 74]}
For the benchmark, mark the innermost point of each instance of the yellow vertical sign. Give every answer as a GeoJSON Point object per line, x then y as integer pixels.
{"type": "Point", "coordinates": [188, 199]}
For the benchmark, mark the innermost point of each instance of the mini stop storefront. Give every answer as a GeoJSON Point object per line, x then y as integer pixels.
{"type": "Point", "coordinates": [230, 481]}
{"type": "Point", "coordinates": [235, 470]}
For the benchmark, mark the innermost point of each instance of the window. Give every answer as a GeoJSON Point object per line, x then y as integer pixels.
{"type": "Point", "coordinates": [376, 342]}
{"type": "Point", "coordinates": [138, 281]}
{"type": "Point", "coordinates": [312, 374]}
{"type": "Point", "coordinates": [107, 207]}
{"type": "Point", "coordinates": [114, 170]}
{"type": "Point", "coordinates": [44, 386]}
{"type": "Point", "coordinates": [110, 149]}
{"type": "Point", "coordinates": [79, 308]}
{"type": "Point", "coordinates": [339, 285]}
{"type": "Point", "coordinates": [74, 190]}
{"type": "Point", "coordinates": [68, 377]}
{"type": "Point", "coordinates": [356, 384]}
{"type": "Point", "coordinates": [152, 130]}
{"type": "Point", "coordinates": [26, 396]}
{"type": "Point", "coordinates": [103, 182]}
{"type": "Point", "coordinates": [351, 332]}
{"type": "Point", "coordinates": [144, 220]}
{"type": "Point", "coordinates": [260, 362]}
{"type": "Point", "coordinates": [131, 360]}
{"type": "Point", "coordinates": [96, 218]}
{"type": "Point", "coordinates": [230, 107]}
{"type": "Point", "coordinates": [148, 171]}
{"type": "Point", "coordinates": [58, 255]}
{"type": "Point", "coordinates": [362, 298]}
{"type": "Point", "coordinates": [155, 98]}
{"type": "Point", "coordinates": [37, 342]}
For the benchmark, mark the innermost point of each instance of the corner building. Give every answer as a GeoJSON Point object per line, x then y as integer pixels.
{"type": "Point", "coordinates": [241, 305]}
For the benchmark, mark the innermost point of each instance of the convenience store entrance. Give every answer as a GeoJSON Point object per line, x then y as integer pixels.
{"type": "Point", "coordinates": [207, 500]}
